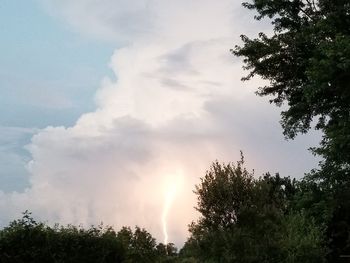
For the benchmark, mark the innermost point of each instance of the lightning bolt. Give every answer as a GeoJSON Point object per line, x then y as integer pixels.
{"type": "Point", "coordinates": [168, 200]}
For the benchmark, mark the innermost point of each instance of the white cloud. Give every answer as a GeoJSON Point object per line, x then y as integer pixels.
{"type": "Point", "coordinates": [116, 20]}
{"type": "Point", "coordinates": [178, 104]}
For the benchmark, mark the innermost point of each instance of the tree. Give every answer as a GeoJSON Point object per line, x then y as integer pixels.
{"type": "Point", "coordinates": [26, 240]}
{"type": "Point", "coordinates": [222, 194]}
{"type": "Point", "coordinates": [167, 253]}
{"type": "Point", "coordinates": [307, 63]}
{"type": "Point", "coordinates": [244, 219]}
{"type": "Point", "coordinates": [302, 239]}
{"type": "Point", "coordinates": [140, 246]}
{"type": "Point", "coordinates": [143, 246]}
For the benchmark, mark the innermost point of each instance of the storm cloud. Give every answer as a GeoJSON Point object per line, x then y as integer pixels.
{"type": "Point", "coordinates": [177, 104]}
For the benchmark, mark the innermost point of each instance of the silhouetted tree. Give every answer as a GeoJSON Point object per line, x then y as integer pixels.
{"type": "Point", "coordinates": [244, 219]}
{"type": "Point", "coordinates": [307, 63]}
{"type": "Point", "coordinates": [26, 241]}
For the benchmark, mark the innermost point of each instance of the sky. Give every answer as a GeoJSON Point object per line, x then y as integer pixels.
{"type": "Point", "coordinates": [111, 110]}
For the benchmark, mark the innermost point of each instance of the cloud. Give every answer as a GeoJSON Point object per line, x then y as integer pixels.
{"type": "Point", "coordinates": [177, 105]}
{"type": "Point", "coordinates": [121, 21]}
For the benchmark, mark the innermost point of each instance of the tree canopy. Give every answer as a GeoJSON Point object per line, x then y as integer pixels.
{"type": "Point", "coordinates": [244, 219]}
{"type": "Point", "coordinates": [307, 63]}
{"type": "Point", "coordinates": [26, 240]}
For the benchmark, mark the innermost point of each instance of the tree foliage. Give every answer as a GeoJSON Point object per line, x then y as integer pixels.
{"type": "Point", "coordinates": [307, 63]}
{"type": "Point", "coordinates": [244, 219]}
{"type": "Point", "coordinates": [26, 240]}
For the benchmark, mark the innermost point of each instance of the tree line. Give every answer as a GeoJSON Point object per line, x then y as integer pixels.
{"type": "Point", "coordinates": [26, 240]}
{"type": "Point", "coordinates": [306, 61]}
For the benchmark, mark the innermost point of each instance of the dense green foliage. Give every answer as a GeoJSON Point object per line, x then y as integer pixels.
{"type": "Point", "coordinates": [244, 219]}
{"type": "Point", "coordinates": [26, 241]}
{"type": "Point", "coordinates": [306, 61]}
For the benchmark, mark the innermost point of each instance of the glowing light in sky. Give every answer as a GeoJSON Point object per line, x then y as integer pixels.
{"type": "Point", "coordinates": [171, 189]}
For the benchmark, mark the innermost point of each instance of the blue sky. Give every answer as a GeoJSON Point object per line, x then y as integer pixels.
{"type": "Point", "coordinates": [38, 53]}
{"type": "Point", "coordinates": [48, 76]}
